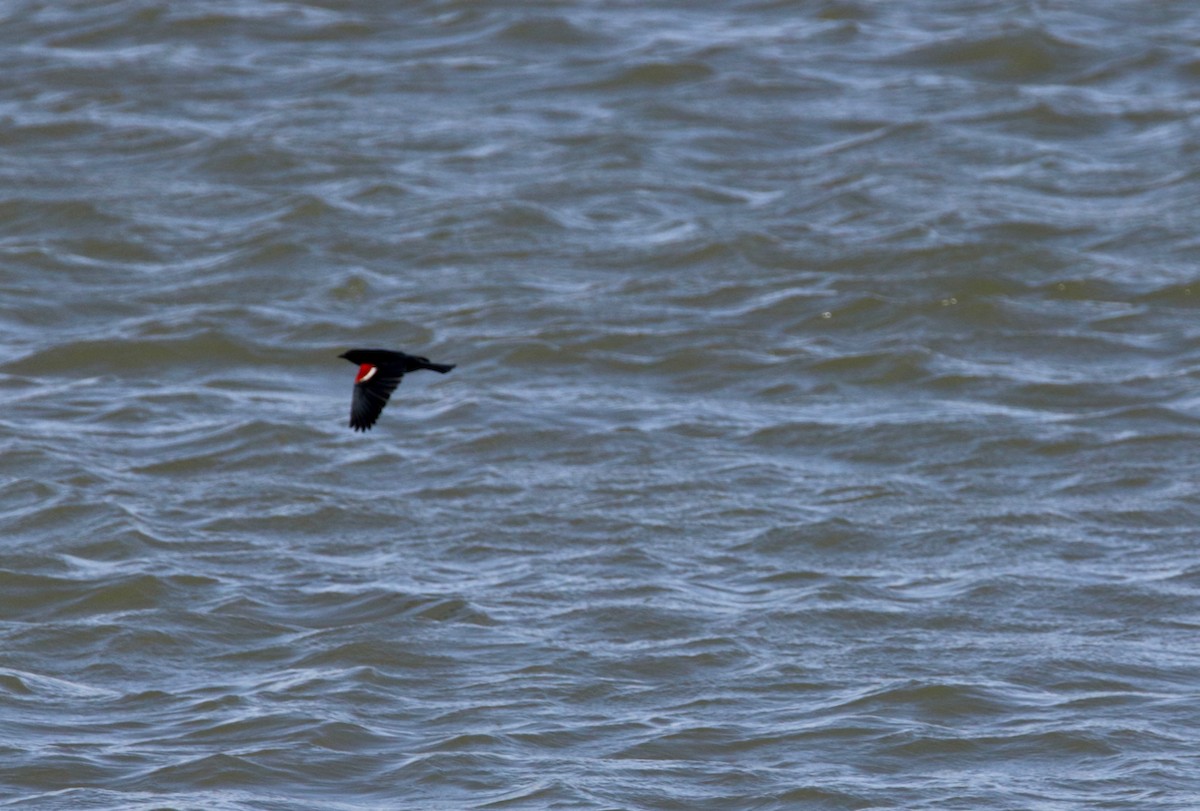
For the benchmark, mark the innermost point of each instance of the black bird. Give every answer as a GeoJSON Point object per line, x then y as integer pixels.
{"type": "Point", "coordinates": [379, 373]}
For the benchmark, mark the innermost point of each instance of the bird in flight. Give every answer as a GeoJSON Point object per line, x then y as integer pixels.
{"type": "Point", "coordinates": [379, 373]}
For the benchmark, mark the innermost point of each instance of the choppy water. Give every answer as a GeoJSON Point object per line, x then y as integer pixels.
{"type": "Point", "coordinates": [824, 434]}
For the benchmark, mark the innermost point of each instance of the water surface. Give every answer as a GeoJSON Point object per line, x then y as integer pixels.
{"type": "Point", "coordinates": [822, 437]}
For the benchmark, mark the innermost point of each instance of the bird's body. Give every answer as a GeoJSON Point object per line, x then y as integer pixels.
{"type": "Point", "coordinates": [379, 373]}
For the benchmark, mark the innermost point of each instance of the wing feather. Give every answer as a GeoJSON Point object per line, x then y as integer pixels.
{"type": "Point", "coordinates": [370, 396]}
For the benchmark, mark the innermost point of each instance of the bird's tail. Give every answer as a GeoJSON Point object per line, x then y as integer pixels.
{"type": "Point", "coordinates": [437, 367]}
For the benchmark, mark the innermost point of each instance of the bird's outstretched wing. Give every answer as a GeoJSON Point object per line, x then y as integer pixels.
{"type": "Point", "coordinates": [371, 394]}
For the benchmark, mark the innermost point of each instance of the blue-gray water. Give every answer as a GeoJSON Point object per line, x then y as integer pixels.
{"type": "Point", "coordinates": [824, 433]}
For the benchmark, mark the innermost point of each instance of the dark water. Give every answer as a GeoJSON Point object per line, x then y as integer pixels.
{"type": "Point", "coordinates": [824, 436]}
